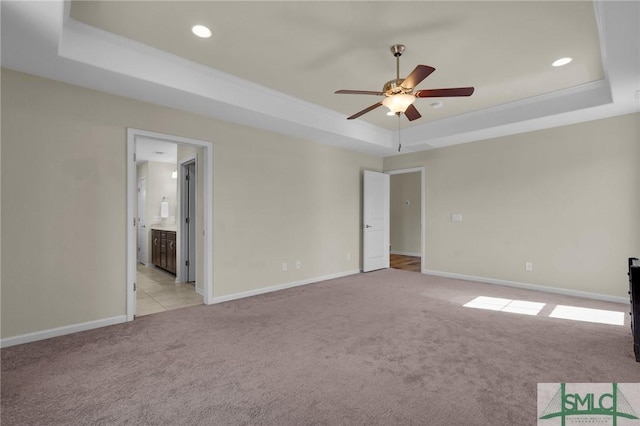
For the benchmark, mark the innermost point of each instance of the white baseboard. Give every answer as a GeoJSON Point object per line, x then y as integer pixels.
{"type": "Point", "coordinates": [406, 253]}
{"type": "Point", "coordinates": [241, 295]}
{"type": "Point", "coordinates": [556, 290]}
{"type": "Point", "coordinates": [60, 331]}
{"type": "Point", "coordinates": [74, 328]}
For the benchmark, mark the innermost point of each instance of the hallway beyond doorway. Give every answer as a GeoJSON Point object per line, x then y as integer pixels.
{"type": "Point", "coordinates": [406, 263]}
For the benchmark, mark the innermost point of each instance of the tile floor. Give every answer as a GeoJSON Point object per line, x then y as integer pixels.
{"type": "Point", "coordinates": [158, 291]}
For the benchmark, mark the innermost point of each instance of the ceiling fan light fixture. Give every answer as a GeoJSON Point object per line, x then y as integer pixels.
{"type": "Point", "coordinates": [201, 31]}
{"type": "Point", "coordinates": [398, 103]}
{"type": "Point", "coordinates": [399, 94]}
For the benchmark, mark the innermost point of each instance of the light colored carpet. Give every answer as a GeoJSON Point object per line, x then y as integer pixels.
{"type": "Point", "coordinates": [384, 348]}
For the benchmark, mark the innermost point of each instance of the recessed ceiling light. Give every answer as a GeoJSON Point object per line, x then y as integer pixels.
{"type": "Point", "coordinates": [560, 62]}
{"type": "Point", "coordinates": [201, 31]}
{"type": "Point", "coordinates": [436, 104]}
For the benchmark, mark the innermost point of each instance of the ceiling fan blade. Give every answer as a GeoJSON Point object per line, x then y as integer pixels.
{"type": "Point", "coordinates": [358, 92]}
{"type": "Point", "coordinates": [412, 113]}
{"type": "Point", "coordinates": [417, 75]}
{"type": "Point", "coordinates": [364, 111]}
{"type": "Point", "coordinates": [443, 93]}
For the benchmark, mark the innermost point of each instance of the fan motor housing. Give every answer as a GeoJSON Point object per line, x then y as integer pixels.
{"type": "Point", "coordinates": [393, 87]}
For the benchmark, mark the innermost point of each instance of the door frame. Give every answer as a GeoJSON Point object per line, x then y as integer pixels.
{"type": "Point", "coordinates": [144, 241]}
{"type": "Point", "coordinates": [423, 266]}
{"type": "Point", "coordinates": [182, 163]}
{"type": "Point", "coordinates": [131, 225]}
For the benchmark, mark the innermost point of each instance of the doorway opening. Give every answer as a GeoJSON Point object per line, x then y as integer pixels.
{"type": "Point", "coordinates": [160, 285]}
{"type": "Point", "coordinates": [158, 204]}
{"type": "Point", "coordinates": [407, 219]}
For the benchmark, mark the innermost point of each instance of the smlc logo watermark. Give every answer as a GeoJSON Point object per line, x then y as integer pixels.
{"type": "Point", "coordinates": [563, 404]}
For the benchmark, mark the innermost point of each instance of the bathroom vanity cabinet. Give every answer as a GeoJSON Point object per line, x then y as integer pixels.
{"type": "Point", "coordinates": [163, 249]}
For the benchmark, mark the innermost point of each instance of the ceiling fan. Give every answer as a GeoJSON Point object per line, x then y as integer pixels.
{"type": "Point", "coordinates": [399, 93]}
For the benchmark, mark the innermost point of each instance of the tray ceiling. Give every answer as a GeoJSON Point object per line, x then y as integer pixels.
{"type": "Point", "coordinates": [310, 49]}
{"type": "Point", "coordinates": [275, 65]}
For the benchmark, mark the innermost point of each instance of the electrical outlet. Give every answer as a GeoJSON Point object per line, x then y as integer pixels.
{"type": "Point", "coordinates": [528, 266]}
{"type": "Point", "coordinates": [298, 265]}
{"type": "Point", "coordinates": [284, 267]}
{"type": "Point", "coordinates": [348, 255]}
{"type": "Point", "coordinates": [456, 217]}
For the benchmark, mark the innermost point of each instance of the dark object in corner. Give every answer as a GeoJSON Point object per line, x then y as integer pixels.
{"type": "Point", "coordinates": [634, 298]}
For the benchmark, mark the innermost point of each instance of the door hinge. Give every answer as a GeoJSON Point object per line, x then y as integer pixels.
{"type": "Point", "coordinates": [188, 177]}
{"type": "Point", "coordinates": [134, 221]}
{"type": "Point", "coordinates": [134, 157]}
{"type": "Point", "coordinates": [187, 220]}
{"type": "Point", "coordinates": [134, 287]}
{"type": "Point", "coordinates": [186, 263]}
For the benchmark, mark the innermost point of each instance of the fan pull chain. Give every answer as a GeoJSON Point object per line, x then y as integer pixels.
{"type": "Point", "coordinates": [399, 139]}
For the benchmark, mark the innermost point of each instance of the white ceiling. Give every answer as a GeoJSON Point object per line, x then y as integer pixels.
{"type": "Point", "coordinates": [275, 65]}
{"type": "Point", "coordinates": [148, 149]}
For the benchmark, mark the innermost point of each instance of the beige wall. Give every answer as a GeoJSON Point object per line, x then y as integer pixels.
{"type": "Point", "coordinates": [405, 213]}
{"type": "Point", "coordinates": [276, 199]}
{"type": "Point", "coordinates": [566, 199]}
{"type": "Point", "coordinates": [283, 200]}
{"type": "Point", "coordinates": [161, 185]}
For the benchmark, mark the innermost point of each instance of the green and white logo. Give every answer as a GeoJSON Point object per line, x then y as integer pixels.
{"type": "Point", "coordinates": [588, 403]}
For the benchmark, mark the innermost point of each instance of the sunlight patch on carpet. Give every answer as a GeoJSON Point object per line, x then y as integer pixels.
{"type": "Point", "coordinates": [560, 311]}
{"type": "Point", "coordinates": [588, 315]}
{"type": "Point", "coordinates": [505, 305]}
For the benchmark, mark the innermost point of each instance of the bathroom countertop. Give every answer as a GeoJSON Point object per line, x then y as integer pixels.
{"type": "Point", "coordinates": [164, 227]}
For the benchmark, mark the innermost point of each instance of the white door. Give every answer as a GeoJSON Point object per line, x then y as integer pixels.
{"type": "Point", "coordinates": [142, 225]}
{"type": "Point", "coordinates": [375, 244]}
